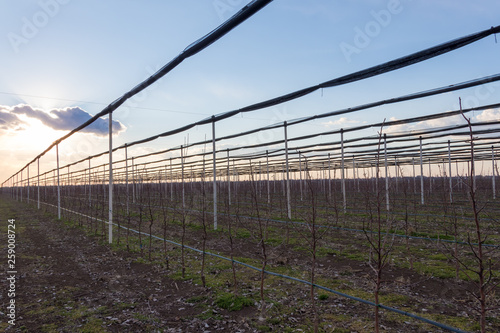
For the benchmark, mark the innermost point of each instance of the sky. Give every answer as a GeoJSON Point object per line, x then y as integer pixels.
{"type": "Point", "coordinates": [63, 61]}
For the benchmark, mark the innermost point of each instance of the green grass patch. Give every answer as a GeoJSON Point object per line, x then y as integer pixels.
{"type": "Point", "coordinates": [233, 303]}
{"type": "Point", "coordinates": [323, 297]}
{"type": "Point", "coordinates": [243, 234]}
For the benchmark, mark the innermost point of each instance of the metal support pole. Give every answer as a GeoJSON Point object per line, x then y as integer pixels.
{"type": "Point", "coordinates": [329, 177]}
{"type": "Point", "coordinates": [288, 198]}
{"type": "Point", "coordinates": [493, 172]}
{"type": "Point", "coordinates": [473, 167]}
{"type": "Point", "coordinates": [38, 181]}
{"type": "Point", "coordinates": [215, 172]}
{"type": "Point", "coordinates": [90, 186]}
{"type": "Point", "coordinates": [171, 181]}
{"type": "Point", "coordinates": [133, 181]}
{"type": "Point", "coordinates": [342, 166]}
{"type": "Point", "coordinates": [268, 185]}
{"type": "Point", "coordinates": [28, 173]}
{"type": "Point", "coordinates": [68, 184]}
{"type": "Point", "coordinates": [203, 173]}
{"type": "Point", "coordinates": [421, 174]}
{"type": "Point", "coordinates": [21, 187]}
{"type": "Point", "coordinates": [386, 174]}
{"type": "Point", "coordinates": [110, 183]}
{"type": "Point", "coordinates": [58, 185]}
{"type": "Point", "coordinates": [449, 168]}
{"type": "Point", "coordinates": [228, 178]}
{"type": "Point", "coordinates": [126, 177]}
{"type": "Point", "coordinates": [300, 175]}
{"type": "Point", "coordinates": [182, 178]}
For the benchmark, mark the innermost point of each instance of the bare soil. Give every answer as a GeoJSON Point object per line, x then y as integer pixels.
{"type": "Point", "coordinates": [68, 282]}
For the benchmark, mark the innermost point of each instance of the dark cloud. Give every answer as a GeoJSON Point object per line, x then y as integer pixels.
{"type": "Point", "coordinates": [9, 121]}
{"type": "Point", "coordinates": [57, 119]}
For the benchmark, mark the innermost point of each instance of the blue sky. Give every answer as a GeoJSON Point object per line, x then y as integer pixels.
{"type": "Point", "coordinates": [81, 55]}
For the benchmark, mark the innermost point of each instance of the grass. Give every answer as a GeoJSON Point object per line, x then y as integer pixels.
{"type": "Point", "coordinates": [231, 302]}
{"type": "Point", "coordinates": [323, 297]}
{"type": "Point", "coordinates": [93, 325]}
{"type": "Point", "coordinates": [197, 299]}
{"type": "Point", "coordinates": [243, 234]}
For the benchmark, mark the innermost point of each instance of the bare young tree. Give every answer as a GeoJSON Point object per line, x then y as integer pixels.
{"type": "Point", "coordinates": [312, 238]}
{"type": "Point", "coordinates": [261, 237]}
{"type": "Point", "coordinates": [203, 223]}
{"type": "Point", "coordinates": [164, 211]}
{"type": "Point", "coordinates": [151, 215]}
{"type": "Point", "coordinates": [487, 279]}
{"type": "Point", "coordinates": [230, 235]}
{"type": "Point", "coordinates": [379, 242]}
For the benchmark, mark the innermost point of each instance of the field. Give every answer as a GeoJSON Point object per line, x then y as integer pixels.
{"type": "Point", "coordinates": [166, 255]}
{"type": "Point", "coordinates": [263, 195]}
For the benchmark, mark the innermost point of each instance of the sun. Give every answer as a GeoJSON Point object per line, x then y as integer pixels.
{"type": "Point", "coordinates": [34, 135]}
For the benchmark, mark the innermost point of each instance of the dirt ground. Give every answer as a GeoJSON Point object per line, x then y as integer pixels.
{"type": "Point", "coordinates": [70, 281]}
{"type": "Point", "coordinates": [67, 282]}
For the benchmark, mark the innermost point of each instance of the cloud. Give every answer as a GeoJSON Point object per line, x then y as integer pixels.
{"type": "Point", "coordinates": [442, 122]}
{"type": "Point", "coordinates": [489, 115]}
{"type": "Point", "coordinates": [485, 116]}
{"type": "Point", "coordinates": [341, 121]}
{"type": "Point", "coordinates": [58, 119]}
{"type": "Point", "coordinates": [9, 121]}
